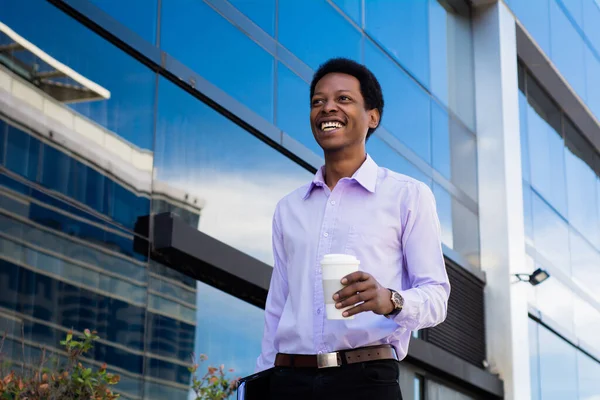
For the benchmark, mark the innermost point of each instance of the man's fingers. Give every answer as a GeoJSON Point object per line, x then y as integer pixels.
{"type": "Point", "coordinates": [352, 289]}
{"type": "Point", "coordinates": [366, 306]}
{"type": "Point", "coordinates": [355, 277]}
{"type": "Point", "coordinates": [365, 296]}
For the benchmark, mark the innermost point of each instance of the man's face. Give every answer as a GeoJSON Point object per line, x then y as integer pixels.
{"type": "Point", "coordinates": [338, 117]}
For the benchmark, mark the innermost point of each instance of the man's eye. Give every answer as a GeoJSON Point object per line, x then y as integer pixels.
{"type": "Point", "coordinates": [317, 102]}
{"type": "Point", "coordinates": [345, 98]}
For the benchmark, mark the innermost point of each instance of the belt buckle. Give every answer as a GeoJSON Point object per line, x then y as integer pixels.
{"type": "Point", "coordinates": [328, 360]}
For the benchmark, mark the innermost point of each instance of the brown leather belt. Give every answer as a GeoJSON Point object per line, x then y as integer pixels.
{"type": "Point", "coordinates": [338, 358]}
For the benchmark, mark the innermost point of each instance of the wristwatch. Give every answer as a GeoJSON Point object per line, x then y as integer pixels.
{"type": "Point", "coordinates": [398, 302]}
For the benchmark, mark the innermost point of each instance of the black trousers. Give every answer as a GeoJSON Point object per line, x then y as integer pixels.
{"type": "Point", "coordinates": [372, 380]}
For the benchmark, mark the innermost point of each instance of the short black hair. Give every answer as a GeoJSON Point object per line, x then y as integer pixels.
{"type": "Point", "coordinates": [369, 85]}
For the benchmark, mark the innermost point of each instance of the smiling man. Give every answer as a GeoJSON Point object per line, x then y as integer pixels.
{"type": "Point", "coordinates": [386, 220]}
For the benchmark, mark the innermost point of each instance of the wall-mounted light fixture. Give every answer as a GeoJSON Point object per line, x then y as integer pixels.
{"type": "Point", "coordinates": [535, 278]}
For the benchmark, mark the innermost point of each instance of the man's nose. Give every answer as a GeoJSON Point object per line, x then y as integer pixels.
{"type": "Point", "coordinates": [330, 106]}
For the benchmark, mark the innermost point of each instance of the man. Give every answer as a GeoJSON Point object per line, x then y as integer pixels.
{"type": "Point", "coordinates": [352, 206]}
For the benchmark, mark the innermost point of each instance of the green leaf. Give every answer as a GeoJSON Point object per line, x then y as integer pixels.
{"type": "Point", "coordinates": [69, 337]}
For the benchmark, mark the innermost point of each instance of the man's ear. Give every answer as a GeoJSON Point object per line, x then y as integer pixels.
{"type": "Point", "coordinates": [374, 118]}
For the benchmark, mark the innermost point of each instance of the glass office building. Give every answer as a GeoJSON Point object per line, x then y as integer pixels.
{"type": "Point", "coordinates": [144, 145]}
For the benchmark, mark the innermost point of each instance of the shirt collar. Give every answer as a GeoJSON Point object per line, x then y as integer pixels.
{"type": "Point", "coordinates": [366, 176]}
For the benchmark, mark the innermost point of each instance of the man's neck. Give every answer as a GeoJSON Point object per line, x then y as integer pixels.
{"type": "Point", "coordinates": [342, 164]}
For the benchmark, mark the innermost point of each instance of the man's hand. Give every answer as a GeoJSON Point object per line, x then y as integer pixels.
{"type": "Point", "coordinates": [362, 288]}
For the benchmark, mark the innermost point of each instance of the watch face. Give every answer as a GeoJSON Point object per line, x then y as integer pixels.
{"type": "Point", "coordinates": [398, 300]}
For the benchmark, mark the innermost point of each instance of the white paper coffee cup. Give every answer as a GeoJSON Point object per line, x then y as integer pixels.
{"type": "Point", "coordinates": [334, 267]}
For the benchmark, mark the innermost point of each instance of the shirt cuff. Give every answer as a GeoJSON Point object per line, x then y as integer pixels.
{"type": "Point", "coordinates": [408, 317]}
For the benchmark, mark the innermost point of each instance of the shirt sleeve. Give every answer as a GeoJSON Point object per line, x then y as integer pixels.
{"type": "Point", "coordinates": [426, 300]}
{"type": "Point", "coordinates": [276, 298]}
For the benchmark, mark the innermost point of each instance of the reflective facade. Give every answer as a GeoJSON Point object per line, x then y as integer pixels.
{"type": "Point", "coordinates": [111, 112]}
{"type": "Point", "coordinates": [561, 200]}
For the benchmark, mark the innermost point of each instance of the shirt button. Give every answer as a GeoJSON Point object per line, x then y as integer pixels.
{"type": "Point", "coordinates": [326, 234]}
{"type": "Point", "coordinates": [319, 311]}
{"type": "Point", "coordinates": [333, 202]}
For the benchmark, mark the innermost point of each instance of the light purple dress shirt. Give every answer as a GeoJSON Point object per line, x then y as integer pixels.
{"type": "Point", "coordinates": [385, 219]}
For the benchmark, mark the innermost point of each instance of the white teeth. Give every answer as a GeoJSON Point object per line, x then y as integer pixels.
{"type": "Point", "coordinates": [330, 125]}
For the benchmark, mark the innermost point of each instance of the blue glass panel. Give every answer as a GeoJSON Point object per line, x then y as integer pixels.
{"type": "Point", "coordinates": [353, 8]}
{"type": "Point", "coordinates": [558, 367]}
{"type": "Point", "coordinates": [523, 110]}
{"type": "Point", "coordinates": [387, 157]}
{"type": "Point", "coordinates": [232, 172]}
{"type": "Point", "coordinates": [592, 72]}
{"type": "Point", "coordinates": [575, 9]}
{"type": "Point", "coordinates": [236, 348]}
{"type": "Point", "coordinates": [22, 153]}
{"type": "Point", "coordinates": [567, 50]}
{"type": "Point", "coordinates": [56, 170]}
{"type": "Point", "coordinates": [591, 16]}
{"type": "Point", "coordinates": [550, 233]}
{"type": "Point", "coordinates": [131, 85]}
{"type": "Point", "coordinates": [137, 15]}
{"type": "Point", "coordinates": [402, 27]}
{"type": "Point", "coordinates": [528, 213]}
{"type": "Point", "coordinates": [534, 360]}
{"type": "Point", "coordinates": [302, 22]}
{"type": "Point", "coordinates": [546, 156]}
{"type": "Point", "coordinates": [440, 137]}
{"type": "Point", "coordinates": [585, 263]}
{"type": "Point", "coordinates": [407, 109]}
{"type": "Point", "coordinates": [293, 107]}
{"type": "Point", "coordinates": [444, 210]}
{"type": "Point", "coordinates": [535, 16]}
{"type": "Point", "coordinates": [262, 12]}
{"type": "Point", "coordinates": [556, 303]}
{"type": "Point", "coordinates": [581, 192]}
{"type": "Point", "coordinates": [588, 371]}
{"type": "Point", "coordinates": [250, 81]}
{"type": "Point", "coordinates": [438, 50]}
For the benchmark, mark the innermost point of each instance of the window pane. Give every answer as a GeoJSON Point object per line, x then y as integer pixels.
{"type": "Point", "coordinates": [438, 50]}
{"type": "Point", "coordinates": [460, 227]}
{"type": "Point", "coordinates": [444, 209]}
{"type": "Point", "coordinates": [236, 348]}
{"type": "Point", "coordinates": [547, 160]}
{"type": "Point", "coordinates": [352, 8]}
{"type": "Point", "coordinates": [587, 323]}
{"type": "Point", "coordinates": [575, 8]}
{"type": "Point", "coordinates": [125, 114]}
{"type": "Point", "coordinates": [250, 81]}
{"type": "Point", "coordinates": [293, 107]}
{"type": "Point", "coordinates": [534, 360]}
{"type": "Point", "coordinates": [581, 185]}
{"type": "Point", "coordinates": [585, 263]}
{"type": "Point", "coordinates": [466, 232]}
{"type": "Point", "coordinates": [588, 371]}
{"type": "Point", "coordinates": [592, 73]}
{"type": "Point", "coordinates": [302, 22]}
{"type": "Point", "coordinates": [408, 106]}
{"type": "Point", "coordinates": [454, 151]}
{"type": "Point", "coordinates": [535, 15]}
{"type": "Point", "coordinates": [591, 16]}
{"type": "Point", "coordinates": [418, 388]}
{"type": "Point", "coordinates": [402, 28]}
{"type": "Point", "coordinates": [567, 50]}
{"type": "Point", "coordinates": [262, 12]}
{"type": "Point", "coordinates": [387, 157]}
{"type": "Point", "coordinates": [558, 367]}
{"type": "Point", "coordinates": [555, 301]}
{"type": "Point", "coordinates": [22, 153]}
{"type": "Point", "coordinates": [137, 15]}
{"type": "Point", "coordinates": [233, 174]}
{"type": "Point", "coordinates": [461, 83]}
{"type": "Point", "coordinates": [550, 233]}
